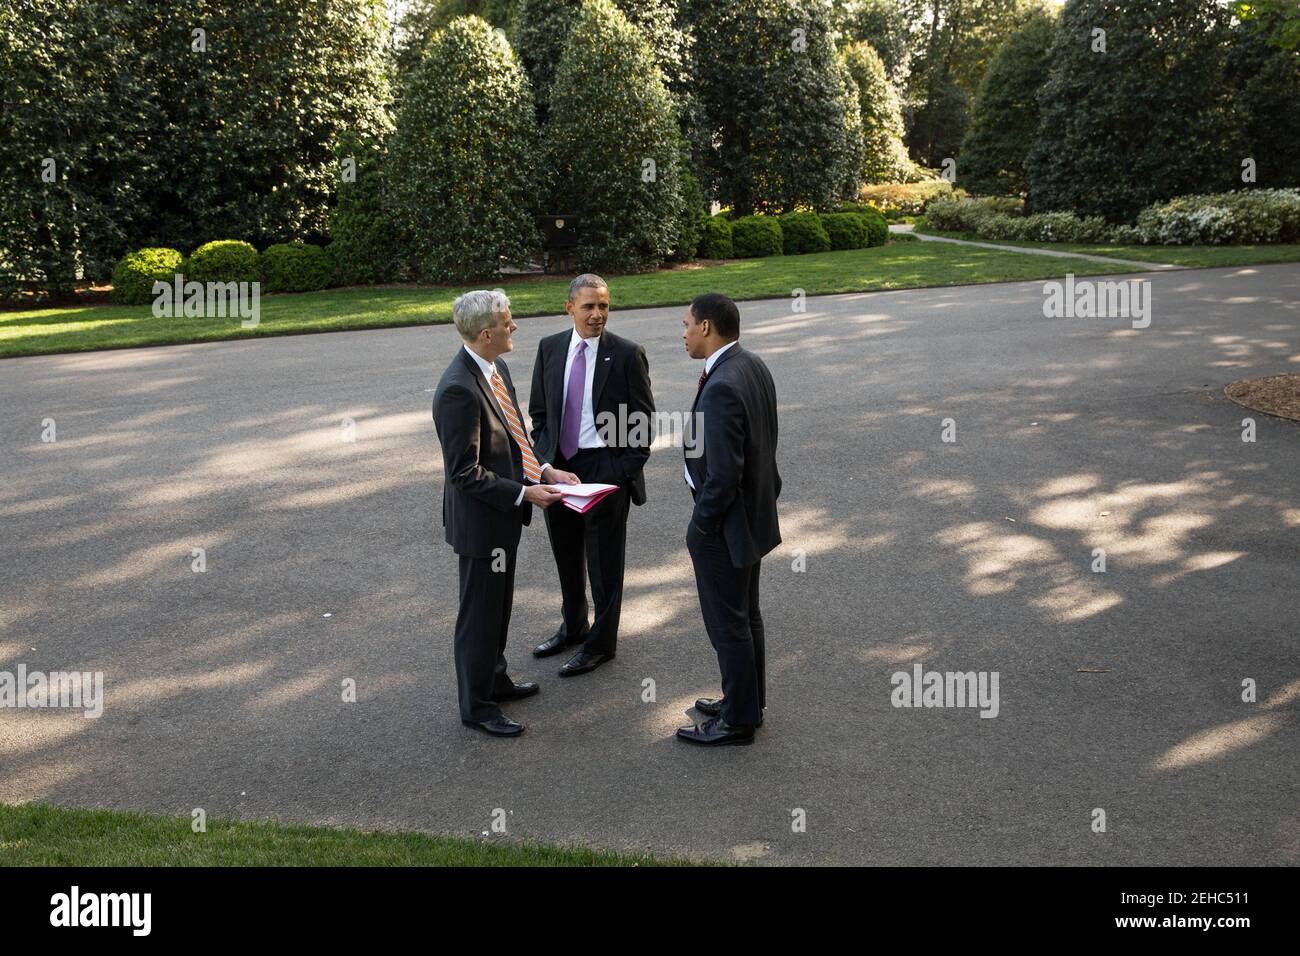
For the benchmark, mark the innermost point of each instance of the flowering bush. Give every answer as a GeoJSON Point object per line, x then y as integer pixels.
{"type": "Point", "coordinates": [907, 199]}
{"type": "Point", "coordinates": [1244, 216]}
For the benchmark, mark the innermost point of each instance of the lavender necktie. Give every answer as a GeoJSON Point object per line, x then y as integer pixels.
{"type": "Point", "coordinates": [572, 422]}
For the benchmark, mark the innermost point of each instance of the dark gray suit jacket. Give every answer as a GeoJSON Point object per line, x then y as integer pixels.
{"type": "Point", "coordinates": [736, 479]}
{"type": "Point", "coordinates": [483, 468]}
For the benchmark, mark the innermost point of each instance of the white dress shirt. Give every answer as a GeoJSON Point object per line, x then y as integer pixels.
{"type": "Point", "coordinates": [709, 362]}
{"type": "Point", "coordinates": [489, 369]}
{"type": "Point", "coordinates": [588, 437]}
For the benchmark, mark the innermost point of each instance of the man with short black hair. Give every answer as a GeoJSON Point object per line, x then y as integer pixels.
{"type": "Point", "coordinates": [731, 471]}
{"type": "Point", "coordinates": [586, 378]}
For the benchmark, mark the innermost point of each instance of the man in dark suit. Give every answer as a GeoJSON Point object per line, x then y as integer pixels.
{"type": "Point", "coordinates": [491, 480]}
{"type": "Point", "coordinates": [592, 410]}
{"type": "Point", "coordinates": [731, 471]}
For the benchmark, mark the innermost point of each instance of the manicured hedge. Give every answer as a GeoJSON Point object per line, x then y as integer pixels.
{"type": "Point", "coordinates": [802, 232]}
{"type": "Point", "coordinates": [715, 238]}
{"type": "Point", "coordinates": [226, 260]}
{"type": "Point", "coordinates": [295, 267]}
{"type": "Point", "coordinates": [847, 230]}
{"type": "Point", "coordinates": [877, 228]}
{"type": "Point", "coordinates": [755, 237]}
{"type": "Point", "coordinates": [135, 274]}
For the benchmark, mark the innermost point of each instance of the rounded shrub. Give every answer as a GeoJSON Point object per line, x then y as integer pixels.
{"type": "Point", "coordinates": [803, 232]}
{"type": "Point", "coordinates": [295, 267]}
{"type": "Point", "coordinates": [715, 238]}
{"type": "Point", "coordinates": [226, 260]}
{"type": "Point", "coordinates": [847, 230]}
{"type": "Point", "coordinates": [754, 237]}
{"type": "Point", "coordinates": [877, 227]}
{"type": "Point", "coordinates": [136, 272]}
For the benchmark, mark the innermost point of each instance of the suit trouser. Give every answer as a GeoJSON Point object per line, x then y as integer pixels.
{"type": "Point", "coordinates": [594, 543]}
{"type": "Point", "coordinates": [482, 623]}
{"type": "Point", "coordinates": [729, 603]}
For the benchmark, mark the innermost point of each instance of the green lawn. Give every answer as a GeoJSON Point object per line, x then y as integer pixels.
{"type": "Point", "coordinates": [40, 835]}
{"type": "Point", "coordinates": [903, 265]}
{"type": "Point", "coordinates": [1194, 257]}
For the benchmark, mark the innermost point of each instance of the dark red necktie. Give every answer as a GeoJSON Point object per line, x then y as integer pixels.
{"type": "Point", "coordinates": [700, 387]}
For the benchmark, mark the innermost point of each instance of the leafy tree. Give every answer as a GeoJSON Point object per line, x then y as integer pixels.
{"type": "Point", "coordinates": [280, 81]}
{"type": "Point", "coordinates": [884, 156]}
{"type": "Point", "coordinates": [1264, 76]}
{"type": "Point", "coordinates": [953, 41]}
{"type": "Point", "coordinates": [1004, 118]}
{"type": "Point", "coordinates": [542, 27]}
{"type": "Point", "coordinates": [1279, 18]}
{"type": "Point", "coordinates": [462, 172]}
{"type": "Point", "coordinates": [423, 18]}
{"type": "Point", "coordinates": [772, 105]}
{"type": "Point", "coordinates": [75, 124]}
{"type": "Point", "coordinates": [540, 34]}
{"type": "Point", "coordinates": [1147, 119]}
{"type": "Point", "coordinates": [613, 144]}
{"type": "Point", "coordinates": [366, 244]}
{"type": "Point", "coordinates": [882, 24]}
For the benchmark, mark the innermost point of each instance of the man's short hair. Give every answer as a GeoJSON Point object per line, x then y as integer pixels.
{"type": "Point", "coordinates": [588, 280]}
{"type": "Point", "coordinates": [478, 310]}
{"type": "Point", "coordinates": [719, 310]}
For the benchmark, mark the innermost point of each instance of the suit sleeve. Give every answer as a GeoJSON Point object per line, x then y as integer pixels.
{"type": "Point", "coordinates": [641, 403]}
{"type": "Point", "coordinates": [537, 399]}
{"type": "Point", "coordinates": [722, 415]}
{"type": "Point", "coordinates": [457, 417]}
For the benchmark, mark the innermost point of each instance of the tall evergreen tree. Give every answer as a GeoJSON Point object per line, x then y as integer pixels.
{"type": "Point", "coordinates": [542, 28]}
{"type": "Point", "coordinates": [884, 155]}
{"type": "Point", "coordinates": [772, 105]}
{"type": "Point", "coordinates": [883, 25]}
{"type": "Point", "coordinates": [77, 121]}
{"type": "Point", "coordinates": [1004, 118]}
{"type": "Point", "coordinates": [1147, 119]}
{"type": "Point", "coordinates": [462, 171]}
{"type": "Point", "coordinates": [613, 144]}
{"type": "Point", "coordinates": [1264, 76]}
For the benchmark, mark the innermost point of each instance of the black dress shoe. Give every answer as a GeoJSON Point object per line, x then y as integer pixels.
{"type": "Point", "coordinates": [501, 726]}
{"type": "Point", "coordinates": [557, 644]}
{"type": "Point", "coordinates": [518, 692]}
{"type": "Point", "coordinates": [716, 732]}
{"type": "Point", "coordinates": [582, 662]}
{"type": "Point", "coordinates": [712, 707]}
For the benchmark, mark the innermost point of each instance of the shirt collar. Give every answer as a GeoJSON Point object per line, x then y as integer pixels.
{"type": "Point", "coordinates": [488, 369]}
{"type": "Point", "coordinates": [712, 360]}
{"type": "Point", "coordinates": [592, 343]}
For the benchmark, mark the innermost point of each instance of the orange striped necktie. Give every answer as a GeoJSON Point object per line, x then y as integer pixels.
{"type": "Point", "coordinates": [531, 468]}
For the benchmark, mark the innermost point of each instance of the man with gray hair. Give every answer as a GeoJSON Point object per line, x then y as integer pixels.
{"type": "Point", "coordinates": [585, 380]}
{"type": "Point", "coordinates": [491, 480]}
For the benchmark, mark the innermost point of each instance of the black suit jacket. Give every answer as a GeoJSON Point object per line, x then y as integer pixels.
{"type": "Point", "coordinates": [736, 479]}
{"type": "Point", "coordinates": [621, 380]}
{"type": "Point", "coordinates": [483, 468]}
